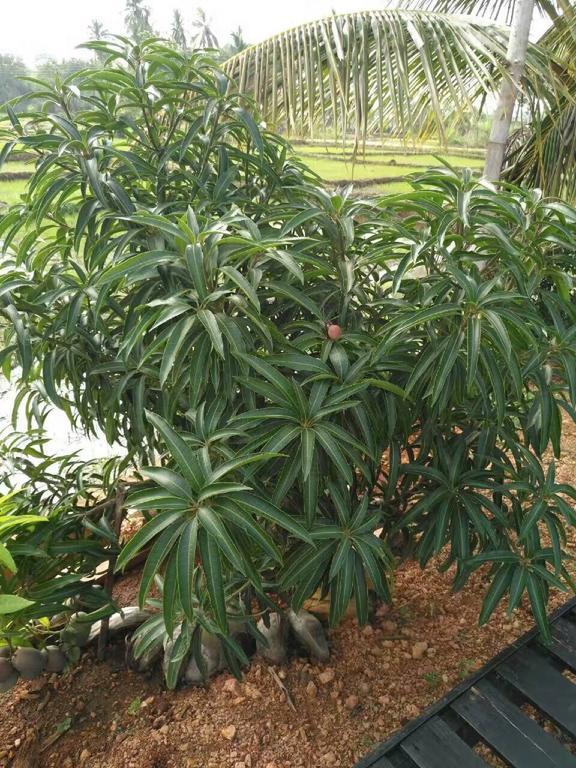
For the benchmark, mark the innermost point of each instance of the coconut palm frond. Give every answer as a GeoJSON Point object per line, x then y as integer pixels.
{"type": "Point", "coordinates": [394, 71]}
{"type": "Point", "coordinates": [543, 152]}
{"type": "Point", "coordinates": [497, 10]}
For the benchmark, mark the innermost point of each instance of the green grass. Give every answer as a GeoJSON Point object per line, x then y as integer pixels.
{"type": "Point", "coordinates": [17, 165]}
{"type": "Point", "coordinates": [379, 190]}
{"type": "Point", "coordinates": [390, 145]}
{"type": "Point", "coordinates": [332, 170]}
{"type": "Point", "coordinates": [329, 162]}
{"type": "Point", "coordinates": [10, 191]}
{"type": "Point", "coordinates": [425, 160]}
{"type": "Point", "coordinates": [335, 170]}
{"type": "Point", "coordinates": [333, 164]}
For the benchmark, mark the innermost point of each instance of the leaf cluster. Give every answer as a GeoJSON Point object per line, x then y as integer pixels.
{"type": "Point", "coordinates": [171, 279]}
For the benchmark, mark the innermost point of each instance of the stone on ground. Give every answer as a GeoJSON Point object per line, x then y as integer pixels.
{"type": "Point", "coordinates": [275, 650]}
{"type": "Point", "coordinates": [310, 634]}
{"type": "Point", "coordinates": [212, 657]}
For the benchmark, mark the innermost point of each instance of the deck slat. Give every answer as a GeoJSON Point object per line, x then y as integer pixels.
{"type": "Point", "coordinates": [435, 745]}
{"type": "Point", "coordinates": [563, 645]}
{"type": "Point", "coordinates": [546, 688]}
{"type": "Point", "coordinates": [511, 733]}
{"type": "Point", "coordinates": [487, 706]}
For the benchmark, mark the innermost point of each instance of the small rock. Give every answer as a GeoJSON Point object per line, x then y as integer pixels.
{"type": "Point", "coordinates": [382, 609]}
{"type": "Point", "coordinates": [29, 662]}
{"type": "Point", "coordinates": [231, 686]}
{"type": "Point", "coordinates": [368, 630]}
{"type": "Point", "coordinates": [311, 689]}
{"type": "Point", "coordinates": [9, 683]}
{"type": "Point", "coordinates": [419, 649]}
{"type": "Point", "coordinates": [351, 702]}
{"type": "Point", "coordinates": [364, 688]}
{"type": "Point", "coordinates": [310, 633]}
{"type": "Point", "coordinates": [275, 648]}
{"type": "Point", "coordinates": [212, 658]}
{"type": "Point", "coordinates": [84, 755]}
{"type": "Point", "coordinates": [164, 729]}
{"type": "Point", "coordinates": [6, 669]}
{"type": "Point", "coordinates": [56, 660]}
{"type": "Point", "coordinates": [329, 759]}
{"type": "Point", "coordinates": [304, 676]}
{"type": "Point", "coordinates": [390, 627]}
{"type": "Point", "coordinates": [229, 732]}
{"type": "Point", "coordinates": [327, 676]}
{"type": "Point", "coordinates": [252, 692]}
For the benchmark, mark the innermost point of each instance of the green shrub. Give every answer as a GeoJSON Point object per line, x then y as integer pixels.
{"type": "Point", "coordinates": [261, 343]}
{"type": "Point", "coordinates": [52, 537]}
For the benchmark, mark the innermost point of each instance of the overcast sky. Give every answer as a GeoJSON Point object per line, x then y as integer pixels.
{"type": "Point", "coordinates": [33, 28]}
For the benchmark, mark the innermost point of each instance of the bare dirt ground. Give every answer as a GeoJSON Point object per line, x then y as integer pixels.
{"type": "Point", "coordinates": [101, 715]}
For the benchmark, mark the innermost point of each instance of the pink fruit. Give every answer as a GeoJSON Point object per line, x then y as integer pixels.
{"type": "Point", "coordinates": [334, 331]}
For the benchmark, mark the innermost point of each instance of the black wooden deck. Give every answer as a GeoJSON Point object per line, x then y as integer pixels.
{"type": "Point", "coordinates": [488, 709]}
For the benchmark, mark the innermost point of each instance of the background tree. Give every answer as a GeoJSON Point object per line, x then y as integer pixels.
{"type": "Point", "coordinates": [236, 45]}
{"type": "Point", "coordinates": [97, 30]}
{"type": "Point", "coordinates": [402, 71]}
{"type": "Point", "coordinates": [55, 70]}
{"type": "Point", "coordinates": [204, 37]}
{"type": "Point", "coordinates": [516, 59]}
{"type": "Point", "coordinates": [178, 34]}
{"type": "Point", "coordinates": [11, 70]}
{"type": "Point", "coordinates": [137, 19]}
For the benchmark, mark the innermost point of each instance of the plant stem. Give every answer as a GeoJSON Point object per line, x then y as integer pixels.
{"type": "Point", "coordinates": [109, 580]}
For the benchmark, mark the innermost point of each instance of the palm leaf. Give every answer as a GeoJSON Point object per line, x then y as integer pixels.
{"type": "Point", "coordinates": [393, 71]}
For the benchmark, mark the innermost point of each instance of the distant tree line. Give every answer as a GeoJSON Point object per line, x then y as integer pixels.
{"type": "Point", "coordinates": [138, 26]}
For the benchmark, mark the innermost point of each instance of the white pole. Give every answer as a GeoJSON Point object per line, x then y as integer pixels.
{"type": "Point", "coordinates": [516, 61]}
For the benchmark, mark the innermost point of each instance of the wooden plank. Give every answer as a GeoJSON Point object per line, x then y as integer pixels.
{"type": "Point", "coordinates": [398, 759]}
{"type": "Point", "coordinates": [383, 762]}
{"type": "Point", "coordinates": [540, 681]}
{"type": "Point", "coordinates": [435, 745]}
{"type": "Point", "coordinates": [511, 733]}
{"type": "Point", "coordinates": [563, 645]}
{"type": "Point", "coordinates": [389, 747]}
